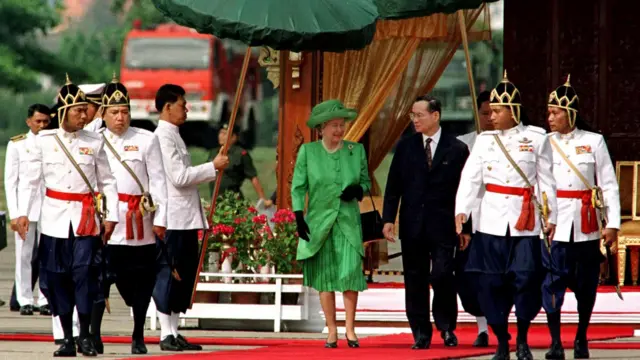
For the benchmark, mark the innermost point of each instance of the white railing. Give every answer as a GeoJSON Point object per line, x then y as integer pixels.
{"type": "Point", "coordinates": [276, 311]}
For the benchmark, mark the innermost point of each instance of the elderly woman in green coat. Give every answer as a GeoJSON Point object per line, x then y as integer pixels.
{"type": "Point", "coordinates": [334, 174]}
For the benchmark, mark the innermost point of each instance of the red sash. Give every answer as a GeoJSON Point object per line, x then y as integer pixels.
{"type": "Point", "coordinates": [88, 226]}
{"type": "Point", "coordinates": [589, 222]}
{"type": "Point", "coordinates": [133, 202]}
{"type": "Point", "coordinates": [527, 219]}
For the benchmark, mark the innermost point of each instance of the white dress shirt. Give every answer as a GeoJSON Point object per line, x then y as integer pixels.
{"type": "Point", "coordinates": [140, 150]}
{"type": "Point", "coordinates": [588, 152]}
{"type": "Point", "coordinates": [184, 210]}
{"type": "Point", "coordinates": [530, 149]}
{"type": "Point", "coordinates": [435, 139]}
{"type": "Point", "coordinates": [19, 152]}
{"type": "Point", "coordinates": [50, 164]}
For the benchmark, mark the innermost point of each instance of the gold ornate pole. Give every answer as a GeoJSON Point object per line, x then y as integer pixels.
{"type": "Point", "coordinates": [465, 43]}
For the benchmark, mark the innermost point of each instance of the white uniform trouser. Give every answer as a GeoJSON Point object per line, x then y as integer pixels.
{"type": "Point", "coordinates": [58, 333]}
{"type": "Point", "coordinates": [24, 253]}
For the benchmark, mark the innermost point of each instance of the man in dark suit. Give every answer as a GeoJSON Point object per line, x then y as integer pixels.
{"type": "Point", "coordinates": [423, 180]}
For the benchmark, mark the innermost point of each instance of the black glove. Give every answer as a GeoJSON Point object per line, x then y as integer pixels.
{"type": "Point", "coordinates": [303, 228]}
{"type": "Point", "coordinates": [352, 192]}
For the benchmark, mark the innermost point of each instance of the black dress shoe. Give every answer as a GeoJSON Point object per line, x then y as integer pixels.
{"type": "Point", "coordinates": [502, 352]}
{"type": "Point", "coordinates": [523, 352]}
{"type": "Point", "coordinates": [26, 310]}
{"type": "Point", "coordinates": [85, 346]}
{"type": "Point", "coordinates": [138, 347]}
{"type": "Point", "coordinates": [482, 340]}
{"type": "Point", "coordinates": [185, 345]}
{"type": "Point", "coordinates": [170, 344]}
{"type": "Point", "coordinates": [353, 343]}
{"type": "Point", "coordinates": [422, 343]}
{"type": "Point", "coordinates": [66, 349]}
{"type": "Point", "coordinates": [98, 344]}
{"type": "Point", "coordinates": [449, 338]}
{"type": "Point", "coordinates": [580, 349]}
{"type": "Point", "coordinates": [45, 310]}
{"type": "Point", "coordinates": [556, 351]}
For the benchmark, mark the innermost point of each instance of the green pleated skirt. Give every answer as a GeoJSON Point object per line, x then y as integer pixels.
{"type": "Point", "coordinates": [337, 266]}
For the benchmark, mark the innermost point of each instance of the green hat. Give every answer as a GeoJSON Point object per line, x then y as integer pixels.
{"type": "Point", "coordinates": [329, 110]}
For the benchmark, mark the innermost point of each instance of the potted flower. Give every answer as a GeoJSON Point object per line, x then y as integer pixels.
{"type": "Point", "coordinates": [281, 245]}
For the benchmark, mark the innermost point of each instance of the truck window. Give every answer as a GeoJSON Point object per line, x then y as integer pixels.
{"type": "Point", "coordinates": [167, 53]}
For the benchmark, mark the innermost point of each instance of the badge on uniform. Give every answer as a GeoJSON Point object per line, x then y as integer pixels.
{"type": "Point", "coordinates": [524, 141]}
{"type": "Point", "coordinates": [86, 151]}
{"type": "Point", "coordinates": [584, 149]}
{"type": "Point", "coordinates": [131, 148]}
{"type": "Point", "coordinates": [526, 148]}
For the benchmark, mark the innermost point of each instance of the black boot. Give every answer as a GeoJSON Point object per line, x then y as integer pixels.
{"type": "Point", "coordinates": [482, 340]}
{"type": "Point", "coordinates": [502, 352]}
{"type": "Point", "coordinates": [556, 351]}
{"type": "Point", "coordinates": [67, 349]}
{"type": "Point", "coordinates": [97, 312]}
{"type": "Point", "coordinates": [523, 352]}
{"type": "Point", "coordinates": [138, 347]}
{"type": "Point", "coordinates": [185, 345]}
{"type": "Point", "coordinates": [581, 349]}
{"type": "Point", "coordinates": [502, 333]}
{"type": "Point", "coordinates": [170, 344]}
{"type": "Point", "coordinates": [86, 347]}
{"type": "Point", "coordinates": [97, 343]}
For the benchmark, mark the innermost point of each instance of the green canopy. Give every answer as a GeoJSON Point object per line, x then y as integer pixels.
{"type": "Point", "coordinates": [403, 9]}
{"type": "Point", "coordinates": [297, 25]}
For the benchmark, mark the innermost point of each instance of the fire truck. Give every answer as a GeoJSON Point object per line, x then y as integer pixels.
{"type": "Point", "coordinates": [206, 67]}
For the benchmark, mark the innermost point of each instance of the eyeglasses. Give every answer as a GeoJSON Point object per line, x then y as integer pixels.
{"type": "Point", "coordinates": [413, 116]}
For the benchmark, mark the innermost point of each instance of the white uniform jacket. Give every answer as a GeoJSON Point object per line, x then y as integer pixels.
{"type": "Point", "coordinates": [58, 173]}
{"type": "Point", "coordinates": [94, 125]}
{"type": "Point", "coordinates": [184, 211]}
{"type": "Point", "coordinates": [470, 140]}
{"type": "Point", "coordinates": [487, 165]}
{"type": "Point", "coordinates": [140, 150]}
{"type": "Point", "coordinates": [588, 152]}
{"type": "Point", "coordinates": [19, 152]}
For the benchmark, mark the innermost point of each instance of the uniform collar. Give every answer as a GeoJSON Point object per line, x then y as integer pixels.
{"type": "Point", "coordinates": [514, 130]}
{"type": "Point", "coordinates": [30, 134]}
{"type": "Point", "coordinates": [113, 136]}
{"type": "Point", "coordinates": [435, 138]}
{"type": "Point", "coordinates": [169, 126]}
{"type": "Point", "coordinates": [64, 134]}
{"type": "Point", "coordinates": [571, 135]}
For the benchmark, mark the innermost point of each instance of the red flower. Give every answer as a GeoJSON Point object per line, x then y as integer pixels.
{"type": "Point", "coordinates": [244, 152]}
{"type": "Point", "coordinates": [284, 216]}
{"type": "Point", "coordinates": [253, 210]}
{"type": "Point", "coordinates": [239, 221]}
{"type": "Point", "coordinates": [222, 229]}
{"type": "Point", "coordinates": [260, 219]}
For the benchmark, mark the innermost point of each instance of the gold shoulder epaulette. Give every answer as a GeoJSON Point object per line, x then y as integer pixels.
{"type": "Point", "coordinates": [19, 137]}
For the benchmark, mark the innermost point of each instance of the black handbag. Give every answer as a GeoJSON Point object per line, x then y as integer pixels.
{"type": "Point", "coordinates": [372, 225]}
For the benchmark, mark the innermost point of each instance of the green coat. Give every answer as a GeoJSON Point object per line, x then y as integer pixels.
{"type": "Point", "coordinates": [323, 176]}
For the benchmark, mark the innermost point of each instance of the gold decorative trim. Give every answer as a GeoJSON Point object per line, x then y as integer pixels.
{"type": "Point", "coordinates": [270, 60]}
{"type": "Point", "coordinates": [295, 58]}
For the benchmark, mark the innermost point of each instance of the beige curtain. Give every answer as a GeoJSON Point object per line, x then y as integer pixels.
{"type": "Point", "coordinates": [405, 59]}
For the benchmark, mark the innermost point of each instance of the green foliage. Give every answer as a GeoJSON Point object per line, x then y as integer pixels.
{"type": "Point", "coordinates": [14, 111]}
{"type": "Point", "coordinates": [281, 245]}
{"type": "Point", "coordinates": [21, 58]}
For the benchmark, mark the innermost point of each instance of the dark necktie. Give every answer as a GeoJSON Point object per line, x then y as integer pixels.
{"type": "Point", "coordinates": [427, 150]}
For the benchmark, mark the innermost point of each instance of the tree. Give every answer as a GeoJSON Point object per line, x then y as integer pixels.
{"type": "Point", "coordinates": [22, 60]}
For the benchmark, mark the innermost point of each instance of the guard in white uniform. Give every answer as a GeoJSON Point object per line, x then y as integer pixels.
{"type": "Point", "coordinates": [19, 149]}
{"type": "Point", "coordinates": [80, 191]}
{"type": "Point", "coordinates": [136, 162]}
{"type": "Point", "coordinates": [512, 164]}
{"type": "Point", "coordinates": [93, 93]}
{"type": "Point", "coordinates": [466, 281]}
{"type": "Point", "coordinates": [178, 261]}
{"type": "Point", "coordinates": [583, 169]}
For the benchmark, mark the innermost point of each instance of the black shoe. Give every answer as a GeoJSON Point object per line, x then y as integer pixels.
{"type": "Point", "coordinates": [58, 341]}
{"type": "Point", "coordinates": [98, 344]}
{"type": "Point", "coordinates": [86, 347]}
{"type": "Point", "coordinates": [482, 340]}
{"type": "Point", "coordinates": [170, 344]}
{"type": "Point", "coordinates": [523, 352]}
{"type": "Point", "coordinates": [580, 349]}
{"type": "Point", "coordinates": [331, 345]}
{"type": "Point", "coordinates": [556, 351]}
{"type": "Point", "coordinates": [138, 347]}
{"type": "Point", "coordinates": [185, 345]}
{"type": "Point", "coordinates": [352, 343]}
{"type": "Point", "coordinates": [67, 349]}
{"type": "Point", "coordinates": [502, 352]}
{"type": "Point", "coordinates": [422, 343]}
{"type": "Point", "coordinates": [450, 339]}
{"type": "Point", "coordinates": [2, 302]}
{"type": "Point", "coordinates": [45, 310]}
{"type": "Point", "coordinates": [26, 310]}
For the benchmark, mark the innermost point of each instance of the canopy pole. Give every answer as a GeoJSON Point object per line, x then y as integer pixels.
{"type": "Point", "coordinates": [223, 151]}
{"type": "Point", "coordinates": [465, 43]}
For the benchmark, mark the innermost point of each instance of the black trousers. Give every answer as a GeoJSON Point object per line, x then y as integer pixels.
{"type": "Point", "coordinates": [427, 262]}
{"type": "Point", "coordinates": [467, 284]}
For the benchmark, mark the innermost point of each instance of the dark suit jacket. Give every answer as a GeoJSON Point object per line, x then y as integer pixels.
{"type": "Point", "coordinates": [426, 197]}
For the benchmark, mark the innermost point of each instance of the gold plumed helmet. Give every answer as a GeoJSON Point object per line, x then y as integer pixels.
{"type": "Point", "coordinates": [68, 96]}
{"type": "Point", "coordinates": [565, 97]}
{"type": "Point", "coordinates": [507, 94]}
{"type": "Point", "coordinates": [115, 94]}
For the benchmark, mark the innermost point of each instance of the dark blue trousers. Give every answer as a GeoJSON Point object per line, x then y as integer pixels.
{"type": "Point", "coordinates": [69, 273]}
{"type": "Point", "coordinates": [179, 251]}
{"type": "Point", "coordinates": [509, 271]}
{"type": "Point", "coordinates": [467, 284]}
{"type": "Point", "coordinates": [133, 270]}
{"type": "Point", "coordinates": [575, 266]}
